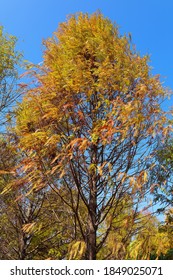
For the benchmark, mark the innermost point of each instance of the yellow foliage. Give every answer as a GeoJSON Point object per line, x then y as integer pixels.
{"type": "Point", "coordinates": [77, 250]}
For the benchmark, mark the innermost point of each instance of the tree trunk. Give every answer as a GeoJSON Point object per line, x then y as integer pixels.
{"type": "Point", "coordinates": [92, 230]}
{"type": "Point", "coordinates": [92, 215]}
{"type": "Point", "coordinates": [23, 245]}
{"type": "Point", "coordinates": [92, 218]}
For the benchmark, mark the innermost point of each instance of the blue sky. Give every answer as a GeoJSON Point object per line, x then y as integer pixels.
{"type": "Point", "coordinates": [150, 22]}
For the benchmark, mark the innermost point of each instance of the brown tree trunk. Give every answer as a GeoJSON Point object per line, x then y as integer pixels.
{"type": "Point", "coordinates": [92, 230]}
{"type": "Point", "coordinates": [92, 217]}
{"type": "Point", "coordinates": [23, 246]}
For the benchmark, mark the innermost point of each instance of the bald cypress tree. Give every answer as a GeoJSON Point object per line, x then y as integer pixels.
{"type": "Point", "coordinates": [89, 125]}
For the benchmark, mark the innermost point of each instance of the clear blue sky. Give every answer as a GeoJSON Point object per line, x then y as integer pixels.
{"type": "Point", "coordinates": [150, 22]}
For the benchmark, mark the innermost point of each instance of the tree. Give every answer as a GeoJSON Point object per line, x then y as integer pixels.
{"type": "Point", "coordinates": [160, 176]}
{"type": "Point", "coordinates": [167, 228]}
{"type": "Point", "coordinates": [91, 123]}
{"type": "Point", "coordinates": [30, 223]}
{"type": "Point", "coordinates": [154, 239]}
{"type": "Point", "coordinates": [9, 59]}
